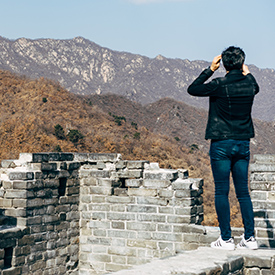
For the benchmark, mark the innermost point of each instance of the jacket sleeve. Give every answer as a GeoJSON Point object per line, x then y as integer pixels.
{"type": "Point", "coordinates": [198, 88]}
{"type": "Point", "coordinates": [254, 82]}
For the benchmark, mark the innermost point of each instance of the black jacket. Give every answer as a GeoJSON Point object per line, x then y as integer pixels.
{"type": "Point", "coordinates": [230, 103]}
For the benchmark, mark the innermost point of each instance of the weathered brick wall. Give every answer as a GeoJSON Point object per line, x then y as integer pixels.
{"type": "Point", "coordinates": [64, 213]}
{"type": "Point", "coordinates": [262, 185]}
{"type": "Point", "coordinates": [133, 211]}
{"type": "Point", "coordinates": [41, 193]}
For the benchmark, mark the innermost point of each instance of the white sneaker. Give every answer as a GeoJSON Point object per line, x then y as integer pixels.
{"type": "Point", "coordinates": [221, 244]}
{"type": "Point", "coordinates": [251, 243]}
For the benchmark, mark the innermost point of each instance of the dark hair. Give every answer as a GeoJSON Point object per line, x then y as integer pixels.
{"type": "Point", "coordinates": [233, 58]}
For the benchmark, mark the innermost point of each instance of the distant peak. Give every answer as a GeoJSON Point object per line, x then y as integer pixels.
{"type": "Point", "coordinates": [160, 57]}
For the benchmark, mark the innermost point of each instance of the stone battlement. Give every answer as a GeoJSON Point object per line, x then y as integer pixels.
{"type": "Point", "coordinates": [76, 213]}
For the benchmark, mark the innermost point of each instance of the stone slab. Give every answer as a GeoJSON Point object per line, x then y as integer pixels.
{"type": "Point", "coordinates": [200, 261]}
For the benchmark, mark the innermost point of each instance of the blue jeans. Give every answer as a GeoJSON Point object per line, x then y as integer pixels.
{"type": "Point", "coordinates": [231, 156]}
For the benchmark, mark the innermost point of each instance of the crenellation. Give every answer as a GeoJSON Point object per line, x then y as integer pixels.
{"type": "Point", "coordinates": [86, 213]}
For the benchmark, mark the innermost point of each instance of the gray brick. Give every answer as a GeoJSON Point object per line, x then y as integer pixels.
{"type": "Point", "coordinates": [48, 166]}
{"type": "Point", "coordinates": [263, 262]}
{"type": "Point", "coordinates": [156, 184]}
{"type": "Point", "coordinates": [151, 218]}
{"type": "Point", "coordinates": [142, 192]}
{"type": "Point", "coordinates": [162, 174]}
{"type": "Point", "coordinates": [103, 157]}
{"type": "Point", "coordinates": [136, 164]}
{"type": "Point", "coordinates": [21, 175]}
{"type": "Point", "coordinates": [129, 174]}
{"type": "Point", "coordinates": [139, 226]}
{"type": "Point", "coordinates": [154, 201]}
{"type": "Point", "coordinates": [258, 195]}
{"type": "Point", "coordinates": [133, 182]}
{"type": "Point", "coordinates": [99, 173]}
{"type": "Point", "coordinates": [139, 208]}
{"type": "Point", "coordinates": [21, 194]}
{"type": "Point", "coordinates": [120, 216]}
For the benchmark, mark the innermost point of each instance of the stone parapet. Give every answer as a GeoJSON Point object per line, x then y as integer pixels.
{"type": "Point", "coordinates": [85, 213]}
{"type": "Point", "coordinates": [133, 212]}
{"type": "Point", "coordinates": [40, 195]}
{"type": "Point", "coordinates": [262, 185]}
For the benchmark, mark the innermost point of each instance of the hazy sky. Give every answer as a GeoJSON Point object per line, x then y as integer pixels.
{"type": "Point", "coordinates": [192, 29]}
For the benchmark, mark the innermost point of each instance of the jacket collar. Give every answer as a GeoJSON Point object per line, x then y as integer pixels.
{"type": "Point", "coordinates": [234, 72]}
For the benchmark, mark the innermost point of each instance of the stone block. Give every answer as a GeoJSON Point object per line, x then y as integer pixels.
{"type": "Point", "coordinates": [261, 262]}
{"type": "Point", "coordinates": [128, 174]}
{"type": "Point", "coordinates": [181, 219]}
{"type": "Point", "coordinates": [180, 184]}
{"type": "Point", "coordinates": [165, 193]}
{"type": "Point", "coordinates": [118, 225]}
{"type": "Point", "coordinates": [122, 251]}
{"type": "Point", "coordinates": [73, 165]}
{"type": "Point", "coordinates": [100, 190]}
{"type": "Point", "coordinates": [150, 200]}
{"type": "Point", "coordinates": [21, 175]}
{"type": "Point", "coordinates": [141, 208]}
{"type": "Point", "coordinates": [61, 157]}
{"type": "Point", "coordinates": [166, 210]}
{"type": "Point", "coordinates": [34, 157]}
{"type": "Point", "coordinates": [5, 202]}
{"type": "Point", "coordinates": [152, 166]}
{"type": "Point", "coordinates": [107, 182]}
{"type": "Point", "coordinates": [12, 271]}
{"type": "Point", "coordinates": [37, 202]}
{"type": "Point", "coordinates": [80, 157]}
{"type": "Point", "coordinates": [164, 227]}
{"type": "Point", "coordinates": [16, 212]}
{"type": "Point", "coordinates": [48, 166]}
{"type": "Point", "coordinates": [252, 271]}
{"type": "Point", "coordinates": [16, 194]}
{"type": "Point", "coordinates": [162, 174]}
{"type": "Point", "coordinates": [264, 158]}
{"type": "Point", "coordinates": [142, 192]}
{"type": "Point", "coordinates": [142, 244]}
{"type": "Point", "coordinates": [100, 224]}
{"type": "Point", "coordinates": [267, 272]}
{"type": "Point", "coordinates": [262, 167]}
{"type": "Point", "coordinates": [139, 226]}
{"type": "Point", "coordinates": [183, 173]}
{"type": "Point", "coordinates": [259, 195]}
{"type": "Point", "coordinates": [151, 218]}
{"type": "Point", "coordinates": [120, 216]}
{"type": "Point", "coordinates": [136, 164]}
{"type": "Point", "coordinates": [121, 164]}
{"type": "Point", "coordinates": [104, 157]}
{"type": "Point", "coordinates": [261, 186]}
{"type": "Point", "coordinates": [236, 264]}
{"type": "Point", "coordinates": [263, 177]}
{"type": "Point", "coordinates": [98, 173]}
{"type": "Point", "coordinates": [156, 184]}
{"type": "Point", "coordinates": [8, 163]}
{"type": "Point", "coordinates": [134, 183]}
{"type": "Point", "coordinates": [270, 196]}
{"type": "Point", "coordinates": [167, 237]}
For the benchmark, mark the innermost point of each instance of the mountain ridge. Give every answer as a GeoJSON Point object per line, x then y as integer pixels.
{"type": "Point", "coordinates": [84, 67]}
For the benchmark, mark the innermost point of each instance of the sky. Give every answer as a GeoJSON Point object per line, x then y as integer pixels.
{"type": "Point", "coordinates": [185, 29]}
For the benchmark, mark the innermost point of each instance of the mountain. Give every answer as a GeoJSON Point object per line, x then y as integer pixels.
{"type": "Point", "coordinates": [85, 68]}
{"type": "Point", "coordinates": [39, 115]}
{"type": "Point", "coordinates": [176, 119]}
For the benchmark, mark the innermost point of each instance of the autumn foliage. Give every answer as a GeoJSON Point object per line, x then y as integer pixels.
{"type": "Point", "coordinates": [40, 116]}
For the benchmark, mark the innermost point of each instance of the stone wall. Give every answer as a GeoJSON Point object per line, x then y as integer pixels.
{"type": "Point", "coordinates": [262, 185]}
{"type": "Point", "coordinates": [133, 211]}
{"type": "Point", "coordinates": [65, 213]}
{"type": "Point", "coordinates": [40, 195]}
